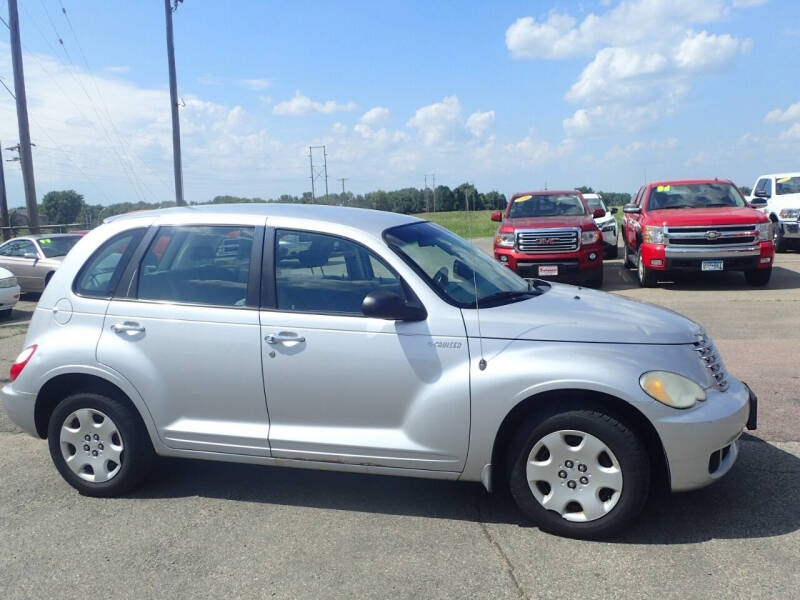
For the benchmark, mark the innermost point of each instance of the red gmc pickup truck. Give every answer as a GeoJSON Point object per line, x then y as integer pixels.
{"type": "Point", "coordinates": [552, 235]}
{"type": "Point", "coordinates": [695, 225]}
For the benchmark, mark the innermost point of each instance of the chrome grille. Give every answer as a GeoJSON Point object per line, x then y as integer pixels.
{"type": "Point", "coordinates": [712, 235]}
{"type": "Point", "coordinates": [547, 241]}
{"type": "Point", "coordinates": [712, 361]}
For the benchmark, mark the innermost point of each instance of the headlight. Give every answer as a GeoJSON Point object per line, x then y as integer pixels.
{"type": "Point", "coordinates": [504, 240]}
{"type": "Point", "coordinates": [672, 389]}
{"type": "Point", "coordinates": [8, 282]}
{"type": "Point", "coordinates": [589, 237]}
{"type": "Point", "coordinates": [789, 213]}
{"type": "Point", "coordinates": [765, 231]}
{"type": "Point", "coordinates": [653, 235]}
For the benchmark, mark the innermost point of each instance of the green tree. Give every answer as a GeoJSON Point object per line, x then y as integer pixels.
{"type": "Point", "coordinates": [746, 190]}
{"type": "Point", "coordinates": [585, 189]}
{"type": "Point", "coordinates": [62, 207]}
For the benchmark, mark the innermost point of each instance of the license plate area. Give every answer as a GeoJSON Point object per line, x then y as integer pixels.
{"type": "Point", "coordinates": [711, 265]}
{"type": "Point", "coordinates": [547, 270]}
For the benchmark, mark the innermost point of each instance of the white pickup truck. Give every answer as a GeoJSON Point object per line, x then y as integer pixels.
{"type": "Point", "coordinates": [782, 193]}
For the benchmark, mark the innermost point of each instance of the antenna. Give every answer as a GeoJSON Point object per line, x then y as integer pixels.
{"type": "Point", "coordinates": [482, 361]}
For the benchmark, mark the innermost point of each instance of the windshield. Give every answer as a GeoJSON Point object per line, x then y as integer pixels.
{"type": "Point", "coordinates": [546, 205]}
{"type": "Point", "coordinates": [57, 246]}
{"type": "Point", "coordinates": [595, 203]}
{"type": "Point", "coordinates": [694, 195]}
{"type": "Point", "coordinates": [787, 185]}
{"type": "Point", "coordinates": [446, 263]}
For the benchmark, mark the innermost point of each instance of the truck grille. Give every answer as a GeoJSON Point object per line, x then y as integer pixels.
{"type": "Point", "coordinates": [712, 361]}
{"type": "Point", "coordinates": [712, 235]}
{"type": "Point", "coordinates": [550, 241]}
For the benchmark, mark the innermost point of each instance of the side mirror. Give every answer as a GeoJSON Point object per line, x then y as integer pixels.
{"type": "Point", "coordinates": [497, 216]}
{"type": "Point", "coordinates": [32, 255]}
{"type": "Point", "coordinates": [631, 209]}
{"type": "Point", "coordinates": [758, 202]}
{"type": "Point", "coordinates": [383, 304]}
{"type": "Point", "coordinates": [614, 210]}
{"type": "Point", "coordinates": [760, 194]}
{"type": "Point", "coordinates": [598, 212]}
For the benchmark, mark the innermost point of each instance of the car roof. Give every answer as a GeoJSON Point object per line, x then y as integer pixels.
{"type": "Point", "coordinates": [688, 182]}
{"type": "Point", "coordinates": [373, 221]}
{"type": "Point", "coordinates": [546, 193]}
{"type": "Point", "coordinates": [43, 236]}
{"type": "Point", "coordinates": [776, 175]}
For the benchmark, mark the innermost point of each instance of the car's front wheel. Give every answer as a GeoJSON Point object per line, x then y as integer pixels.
{"type": "Point", "coordinates": [99, 444]}
{"type": "Point", "coordinates": [580, 473]}
{"type": "Point", "coordinates": [647, 277]}
{"type": "Point", "coordinates": [758, 277]}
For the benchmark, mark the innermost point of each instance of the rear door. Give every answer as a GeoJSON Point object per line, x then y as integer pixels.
{"type": "Point", "coordinates": [185, 332]}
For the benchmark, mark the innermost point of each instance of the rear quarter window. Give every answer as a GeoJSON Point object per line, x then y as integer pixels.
{"type": "Point", "coordinates": [100, 274]}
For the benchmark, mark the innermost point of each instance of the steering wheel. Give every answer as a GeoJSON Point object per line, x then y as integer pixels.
{"type": "Point", "coordinates": [441, 279]}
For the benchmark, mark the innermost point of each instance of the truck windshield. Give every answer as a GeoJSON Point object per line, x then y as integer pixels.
{"type": "Point", "coordinates": [454, 268]}
{"type": "Point", "coordinates": [694, 195]}
{"type": "Point", "coordinates": [787, 185]}
{"type": "Point", "coordinates": [546, 205]}
{"type": "Point", "coordinates": [595, 203]}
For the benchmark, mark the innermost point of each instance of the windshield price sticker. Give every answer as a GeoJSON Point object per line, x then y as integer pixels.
{"type": "Point", "coordinates": [523, 198]}
{"type": "Point", "coordinates": [45, 241]}
{"type": "Point", "coordinates": [663, 188]}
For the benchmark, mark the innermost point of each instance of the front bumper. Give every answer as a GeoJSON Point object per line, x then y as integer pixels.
{"type": "Point", "coordinates": [20, 407]}
{"type": "Point", "coordinates": [663, 257]}
{"type": "Point", "coordinates": [572, 266]}
{"type": "Point", "coordinates": [790, 229]}
{"type": "Point", "coordinates": [701, 443]}
{"type": "Point", "coordinates": [9, 297]}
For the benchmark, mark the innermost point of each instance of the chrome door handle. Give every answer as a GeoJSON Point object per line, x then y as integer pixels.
{"type": "Point", "coordinates": [127, 327]}
{"type": "Point", "coordinates": [283, 336]}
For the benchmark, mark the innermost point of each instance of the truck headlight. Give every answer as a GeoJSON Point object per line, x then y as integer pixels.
{"type": "Point", "coordinates": [672, 389]}
{"type": "Point", "coordinates": [765, 231]}
{"type": "Point", "coordinates": [8, 282]}
{"type": "Point", "coordinates": [590, 237]}
{"type": "Point", "coordinates": [653, 235]}
{"type": "Point", "coordinates": [789, 213]}
{"type": "Point", "coordinates": [504, 240]}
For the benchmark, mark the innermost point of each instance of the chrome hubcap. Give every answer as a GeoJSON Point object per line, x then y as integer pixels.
{"type": "Point", "coordinates": [641, 269]}
{"type": "Point", "coordinates": [91, 445]}
{"type": "Point", "coordinates": [574, 474]}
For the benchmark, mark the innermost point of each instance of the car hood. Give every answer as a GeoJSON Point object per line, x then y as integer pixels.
{"type": "Point", "coordinates": [582, 221]}
{"type": "Point", "coordinates": [677, 217]}
{"type": "Point", "coordinates": [576, 314]}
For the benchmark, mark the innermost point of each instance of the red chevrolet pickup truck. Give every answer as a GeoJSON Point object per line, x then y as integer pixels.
{"type": "Point", "coordinates": [552, 235]}
{"type": "Point", "coordinates": [695, 225]}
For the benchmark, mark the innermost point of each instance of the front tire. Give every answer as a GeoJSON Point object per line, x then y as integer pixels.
{"type": "Point", "coordinates": [758, 277]}
{"type": "Point", "coordinates": [647, 277]}
{"type": "Point", "coordinates": [777, 238]}
{"type": "Point", "coordinates": [99, 444]}
{"type": "Point", "coordinates": [581, 473]}
{"type": "Point", "coordinates": [626, 257]}
{"type": "Point", "coordinates": [613, 252]}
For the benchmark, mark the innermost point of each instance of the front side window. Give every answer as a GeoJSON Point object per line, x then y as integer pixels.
{"type": "Point", "coordinates": [321, 273]}
{"type": "Point", "coordinates": [454, 268]}
{"type": "Point", "coordinates": [100, 274]}
{"type": "Point", "coordinates": [546, 205]}
{"type": "Point", "coordinates": [57, 246]}
{"type": "Point", "coordinates": [595, 203]}
{"type": "Point", "coordinates": [694, 195]}
{"type": "Point", "coordinates": [18, 248]}
{"type": "Point", "coordinates": [787, 185]}
{"type": "Point", "coordinates": [198, 264]}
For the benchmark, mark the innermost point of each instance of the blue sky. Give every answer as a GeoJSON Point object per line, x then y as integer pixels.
{"type": "Point", "coordinates": [507, 95]}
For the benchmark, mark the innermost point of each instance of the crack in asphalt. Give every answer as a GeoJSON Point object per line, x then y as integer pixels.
{"type": "Point", "coordinates": [509, 568]}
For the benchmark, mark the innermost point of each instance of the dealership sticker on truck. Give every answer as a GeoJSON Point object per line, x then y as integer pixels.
{"type": "Point", "coordinates": [545, 270]}
{"type": "Point", "coordinates": [711, 265]}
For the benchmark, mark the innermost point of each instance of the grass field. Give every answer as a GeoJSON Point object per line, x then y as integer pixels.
{"type": "Point", "coordinates": [480, 222]}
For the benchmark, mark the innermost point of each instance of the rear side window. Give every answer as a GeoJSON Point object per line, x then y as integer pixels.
{"type": "Point", "coordinates": [198, 264]}
{"type": "Point", "coordinates": [100, 274]}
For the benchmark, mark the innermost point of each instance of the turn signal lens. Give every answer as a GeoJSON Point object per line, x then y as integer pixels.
{"type": "Point", "coordinates": [590, 237]}
{"type": "Point", "coordinates": [21, 361]}
{"type": "Point", "coordinates": [672, 389]}
{"type": "Point", "coordinates": [653, 235]}
{"type": "Point", "coordinates": [504, 240]}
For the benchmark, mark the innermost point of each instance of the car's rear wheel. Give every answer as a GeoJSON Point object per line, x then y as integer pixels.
{"type": "Point", "coordinates": [580, 473]}
{"type": "Point", "coordinates": [99, 444]}
{"type": "Point", "coordinates": [758, 277]}
{"type": "Point", "coordinates": [647, 277]}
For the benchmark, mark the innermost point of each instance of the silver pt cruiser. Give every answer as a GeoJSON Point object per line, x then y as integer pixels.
{"type": "Point", "coordinates": [354, 340]}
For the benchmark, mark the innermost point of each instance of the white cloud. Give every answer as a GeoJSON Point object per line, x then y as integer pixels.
{"type": "Point", "coordinates": [301, 105]}
{"type": "Point", "coordinates": [479, 122]}
{"type": "Point", "coordinates": [376, 116]}
{"type": "Point", "coordinates": [256, 85]}
{"type": "Point", "coordinates": [703, 50]}
{"type": "Point", "coordinates": [791, 134]}
{"type": "Point", "coordinates": [553, 38]}
{"type": "Point", "coordinates": [780, 116]}
{"type": "Point", "coordinates": [439, 122]}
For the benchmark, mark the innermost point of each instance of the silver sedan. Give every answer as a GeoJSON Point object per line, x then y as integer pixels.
{"type": "Point", "coordinates": [33, 259]}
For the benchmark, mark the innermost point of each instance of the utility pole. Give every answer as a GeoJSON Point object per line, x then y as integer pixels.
{"type": "Point", "coordinates": [173, 95]}
{"type": "Point", "coordinates": [311, 162]}
{"type": "Point", "coordinates": [318, 173]}
{"type": "Point", "coordinates": [433, 187]}
{"type": "Point", "coordinates": [343, 179]}
{"type": "Point", "coordinates": [3, 200]}
{"type": "Point", "coordinates": [25, 156]}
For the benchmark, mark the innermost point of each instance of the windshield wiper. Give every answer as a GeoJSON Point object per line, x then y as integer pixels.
{"type": "Point", "coordinates": [507, 295]}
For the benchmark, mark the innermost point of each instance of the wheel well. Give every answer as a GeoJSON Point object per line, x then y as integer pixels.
{"type": "Point", "coordinates": [61, 386]}
{"type": "Point", "coordinates": [773, 217]}
{"type": "Point", "coordinates": [549, 403]}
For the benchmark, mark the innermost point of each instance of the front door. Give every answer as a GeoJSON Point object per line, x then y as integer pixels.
{"type": "Point", "coordinates": [12, 257]}
{"type": "Point", "coordinates": [188, 338]}
{"type": "Point", "coordinates": [345, 388]}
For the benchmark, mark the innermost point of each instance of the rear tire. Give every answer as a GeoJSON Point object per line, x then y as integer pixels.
{"type": "Point", "coordinates": [99, 444]}
{"type": "Point", "coordinates": [758, 277]}
{"type": "Point", "coordinates": [550, 466]}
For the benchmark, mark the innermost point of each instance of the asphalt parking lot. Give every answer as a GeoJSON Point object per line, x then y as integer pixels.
{"type": "Point", "coordinates": [216, 529]}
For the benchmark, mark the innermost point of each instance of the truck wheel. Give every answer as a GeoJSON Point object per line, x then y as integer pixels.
{"type": "Point", "coordinates": [626, 257]}
{"type": "Point", "coordinates": [99, 444]}
{"type": "Point", "coordinates": [613, 252]}
{"type": "Point", "coordinates": [758, 277]}
{"type": "Point", "coordinates": [647, 278]}
{"type": "Point", "coordinates": [777, 238]}
{"type": "Point", "coordinates": [595, 280]}
{"type": "Point", "coordinates": [580, 473]}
